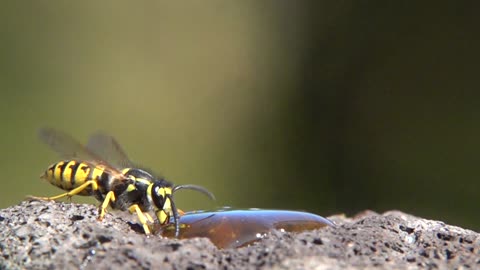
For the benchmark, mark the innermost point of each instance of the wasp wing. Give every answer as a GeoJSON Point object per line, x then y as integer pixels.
{"type": "Point", "coordinates": [65, 145]}
{"type": "Point", "coordinates": [69, 148]}
{"type": "Point", "coordinates": [107, 148]}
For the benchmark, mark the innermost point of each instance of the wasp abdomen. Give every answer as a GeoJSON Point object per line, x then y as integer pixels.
{"type": "Point", "coordinates": [69, 174]}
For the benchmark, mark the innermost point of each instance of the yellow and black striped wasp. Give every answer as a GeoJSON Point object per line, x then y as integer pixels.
{"type": "Point", "coordinates": [103, 170]}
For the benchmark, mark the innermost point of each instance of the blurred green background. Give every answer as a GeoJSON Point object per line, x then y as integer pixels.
{"type": "Point", "coordinates": [330, 107]}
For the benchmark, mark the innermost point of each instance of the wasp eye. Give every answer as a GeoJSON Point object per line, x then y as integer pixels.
{"type": "Point", "coordinates": [158, 196]}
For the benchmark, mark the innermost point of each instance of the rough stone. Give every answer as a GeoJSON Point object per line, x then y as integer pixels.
{"type": "Point", "coordinates": [56, 235]}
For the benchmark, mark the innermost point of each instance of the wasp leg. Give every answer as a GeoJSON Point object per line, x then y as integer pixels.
{"type": "Point", "coordinates": [110, 197]}
{"type": "Point", "coordinates": [149, 217]}
{"type": "Point", "coordinates": [141, 217]}
{"type": "Point", "coordinates": [71, 193]}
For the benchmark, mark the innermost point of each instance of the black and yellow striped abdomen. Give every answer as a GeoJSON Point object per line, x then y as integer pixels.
{"type": "Point", "coordinates": [70, 174]}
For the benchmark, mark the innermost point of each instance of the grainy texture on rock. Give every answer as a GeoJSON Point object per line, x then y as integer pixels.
{"type": "Point", "coordinates": [55, 235]}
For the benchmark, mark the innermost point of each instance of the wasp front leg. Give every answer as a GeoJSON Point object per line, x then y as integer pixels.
{"type": "Point", "coordinates": [144, 218]}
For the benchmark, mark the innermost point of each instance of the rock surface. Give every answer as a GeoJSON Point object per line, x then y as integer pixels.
{"type": "Point", "coordinates": [56, 235]}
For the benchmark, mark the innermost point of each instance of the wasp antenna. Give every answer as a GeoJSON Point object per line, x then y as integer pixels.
{"type": "Point", "coordinates": [175, 216]}
{"type": "Point", "coordinates": [197, 188]}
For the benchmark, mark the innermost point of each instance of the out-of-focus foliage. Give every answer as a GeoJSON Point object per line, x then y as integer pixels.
{"type": "Point", "coordinates": [327, 107]}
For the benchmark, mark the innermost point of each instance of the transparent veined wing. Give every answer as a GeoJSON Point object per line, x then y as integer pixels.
{"type": "Point", "coordinates": [107, 148]}
{"type": "Point", "coordinates": [69, 148]}
{"type": "Point", "coordinates": [65, 145]}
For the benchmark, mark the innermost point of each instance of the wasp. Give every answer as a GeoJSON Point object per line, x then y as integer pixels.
{"type": "Point", "coordinates": [102, 169]}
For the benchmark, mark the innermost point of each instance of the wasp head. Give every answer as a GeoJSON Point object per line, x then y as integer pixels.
{"type": "Point", "coordinates": [162, 200]}
{"type": "Point", "coordinates": [162, 197]}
